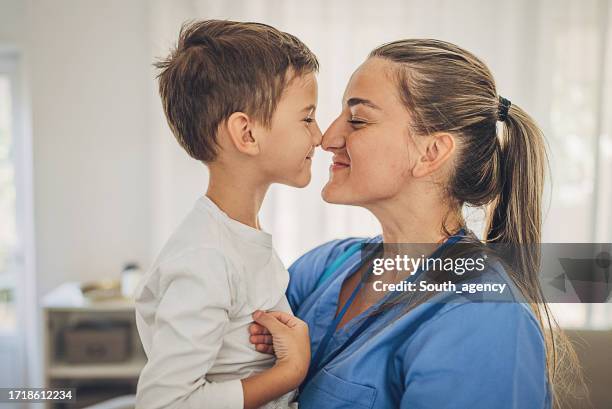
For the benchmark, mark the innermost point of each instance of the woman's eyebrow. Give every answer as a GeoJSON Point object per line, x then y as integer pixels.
{"type": "Point", "coordinates": [360, 101]}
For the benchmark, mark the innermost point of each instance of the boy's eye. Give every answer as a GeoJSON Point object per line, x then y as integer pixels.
{"type": "Point", "coordinates": [308, 120]}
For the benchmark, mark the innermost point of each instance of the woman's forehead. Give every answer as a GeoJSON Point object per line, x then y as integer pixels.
{"type": "Point", "coordinates": [373, 81]}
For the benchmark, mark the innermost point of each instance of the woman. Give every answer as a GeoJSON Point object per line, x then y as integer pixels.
{"type": "Point", "coordinates": [416, 141]}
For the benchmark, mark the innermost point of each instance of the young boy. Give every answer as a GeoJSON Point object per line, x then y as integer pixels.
{"type": "Point", "coordinates": [241, 98]}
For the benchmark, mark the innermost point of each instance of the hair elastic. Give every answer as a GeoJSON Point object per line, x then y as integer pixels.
{"type": "Point", "coordinates": [503, 107]}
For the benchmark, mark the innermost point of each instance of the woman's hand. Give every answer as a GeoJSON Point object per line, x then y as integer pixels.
{"type": "Point", "coordinates": [292, 347]}
{"type": "Point", "coordinates": [287, 337]}
{"type": "Point", "coordinates": [261, 338]}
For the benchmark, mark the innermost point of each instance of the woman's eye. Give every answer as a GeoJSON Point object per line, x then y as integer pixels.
{"type": "Point", "coordinates": [357, 121]}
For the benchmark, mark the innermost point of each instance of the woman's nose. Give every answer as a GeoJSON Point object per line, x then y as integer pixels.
{"type": "Point", "coordinates": [333, 138]}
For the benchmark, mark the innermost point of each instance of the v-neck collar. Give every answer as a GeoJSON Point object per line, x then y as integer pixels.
{"type": "Point", "coordinates": [331, 301]}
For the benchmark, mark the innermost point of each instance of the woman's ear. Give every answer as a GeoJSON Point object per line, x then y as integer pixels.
{"type": "Point", "coordinates": [438, 150]}
{"type": "Point", "coordinates": [240, 132]}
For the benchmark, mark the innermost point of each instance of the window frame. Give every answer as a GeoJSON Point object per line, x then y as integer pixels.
{"type": "Point", "coordinates": [24, 336]}
{"type": "Point", "coordinates": [9, 61]}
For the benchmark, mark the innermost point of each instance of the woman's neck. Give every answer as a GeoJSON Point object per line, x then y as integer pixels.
{"type": "Point", "coordinates": [405, 221]}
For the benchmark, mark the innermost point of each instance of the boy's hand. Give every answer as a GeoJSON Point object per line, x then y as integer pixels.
{"type": "Point", "coordinates": [288, 336]}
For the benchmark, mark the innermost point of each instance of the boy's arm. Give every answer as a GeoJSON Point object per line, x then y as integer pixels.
{"type": "Point", "coordinates": [187, 335]}
{"type": "Point", "coordinates": [268, 385]}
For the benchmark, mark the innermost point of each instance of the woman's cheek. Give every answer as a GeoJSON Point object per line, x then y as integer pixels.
{"type": "Point", "coordinates": [367, 175]}
{"type": "Point", "coordinates": [384, 179]}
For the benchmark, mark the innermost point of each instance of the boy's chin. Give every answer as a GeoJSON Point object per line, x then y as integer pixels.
{"type": "Point", "coordinates": [299, 181]}
{"type": "Point", "coordinates": [302, 183]}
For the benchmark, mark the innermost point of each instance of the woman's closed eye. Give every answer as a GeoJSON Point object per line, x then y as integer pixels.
{"type": "Point", "coordinates": [357, 121]}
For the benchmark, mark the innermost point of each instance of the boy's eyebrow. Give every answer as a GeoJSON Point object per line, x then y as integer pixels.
{"type": "Point", "coordinates": [309, 108]}
{"type": "Point", "coordinates": [360, 101]}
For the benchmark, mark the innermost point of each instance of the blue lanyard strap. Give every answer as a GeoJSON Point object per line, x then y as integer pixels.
{"type": "Point", "coordinates": [334, 324]}
{"type": "Point", "coordinates": [315, 366]}
{"type": "Point", "coordinates": [338, 262]}
{"type": "Point", "coordinates": [316, 363]}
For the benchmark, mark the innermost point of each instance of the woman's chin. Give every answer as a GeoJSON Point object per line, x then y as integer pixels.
{"type": "Point", "coordinates": [332, 194]}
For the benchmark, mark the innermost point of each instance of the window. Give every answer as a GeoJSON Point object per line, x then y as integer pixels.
{"type": "Point", "coordinates": [580, 150]}
{"type": "Point", "coordinates": [9, 250]}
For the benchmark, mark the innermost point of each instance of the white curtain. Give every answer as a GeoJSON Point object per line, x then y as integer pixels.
{"type": "Point", "coordinates": [550, 57]}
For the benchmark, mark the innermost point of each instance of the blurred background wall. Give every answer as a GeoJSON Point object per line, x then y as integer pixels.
{"type": "Point", "coordinates": [98, 179]}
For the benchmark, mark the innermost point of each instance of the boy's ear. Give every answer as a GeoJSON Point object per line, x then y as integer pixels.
{"type": "Point", "coordinates": [240, 131]}
{"type": "Point", "coordinates": [437, 150]}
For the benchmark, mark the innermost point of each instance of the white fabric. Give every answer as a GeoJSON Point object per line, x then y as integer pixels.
{"type": "Point", "coordinates": [194, 306]}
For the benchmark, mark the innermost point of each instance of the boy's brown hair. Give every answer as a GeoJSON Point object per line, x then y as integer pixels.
{"type": "Point", "coordinates": [220, 67]}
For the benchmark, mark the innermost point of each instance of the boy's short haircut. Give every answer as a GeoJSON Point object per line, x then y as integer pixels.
{"type": "Point", "coordinates": [220, 67]}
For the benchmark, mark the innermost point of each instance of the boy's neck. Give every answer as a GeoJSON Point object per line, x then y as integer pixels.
{"type": "Point", "coordinates": [238, 196]}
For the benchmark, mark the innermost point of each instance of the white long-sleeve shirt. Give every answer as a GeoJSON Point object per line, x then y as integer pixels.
{"type": "Point", "coordinates": [194, 306]}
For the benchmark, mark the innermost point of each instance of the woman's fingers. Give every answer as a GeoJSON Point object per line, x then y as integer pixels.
{"type": "Point", "coordinates": [269, 321]}
{"type": "Point", "coordinates": [266, 349]}
{"type": "Point", "coordinates": [256, 329]}
{"type": "Point", "coordinates": [261, 339]}
{"type": "Point", "coordinates": [282, 334]}
{"type": "Point", "coordinates": [288, 319]}
{"type": "Point", "coordinates": [289, 336]}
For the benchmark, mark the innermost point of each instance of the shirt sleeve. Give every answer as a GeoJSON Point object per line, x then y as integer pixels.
{"type": "Point", "coordinates": [188, 331]}
{"type": "Point", "coordinates": [477, 355]}
{"type": "Point", "coordinates": [306, 270]}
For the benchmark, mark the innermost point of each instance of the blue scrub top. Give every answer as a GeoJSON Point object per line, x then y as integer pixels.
{"type": "Point", "coordinates": [465, 355]}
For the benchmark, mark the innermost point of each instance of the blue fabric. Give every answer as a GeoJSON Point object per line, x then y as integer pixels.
{"type": "Point", "coordinates": [462, 355]}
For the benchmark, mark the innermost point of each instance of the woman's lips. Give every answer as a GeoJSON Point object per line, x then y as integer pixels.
{"type": "Point", "coordinates": [339, 166]}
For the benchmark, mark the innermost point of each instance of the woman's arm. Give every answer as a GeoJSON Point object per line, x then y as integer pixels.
{"type": "Point", "coordinates": [476, 355]}
{"type": "Point", "coordinates": [305, 272]}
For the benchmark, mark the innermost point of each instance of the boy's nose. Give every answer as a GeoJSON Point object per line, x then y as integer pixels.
{"type": "Point", "coordinates": [317, 136]}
